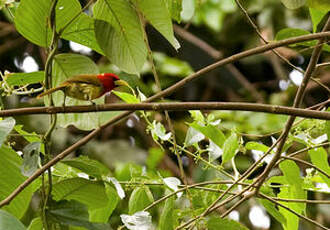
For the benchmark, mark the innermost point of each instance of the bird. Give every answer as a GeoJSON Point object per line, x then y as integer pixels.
{"type": "Point", "coordinates": [87, 87]}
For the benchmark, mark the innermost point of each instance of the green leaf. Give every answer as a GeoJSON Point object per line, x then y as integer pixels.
{"type": "Point", "coordinates": [271, 209]}
{"type": "Point", "coordinates": [155, 157]}
{"type": "Point", "coordinates": [31, 158]}
{"type": "Point", "coordinates": [10, 179]}
{"type": "Point", "coordinates": [193, 136]}
{"type": "Point", "coordinates": [291, 173]}
{"type": "Point", "coordinates": [119, 33]}
{"type": "Point", "coordinates": [292, 32]}
{"type": "Point", "coordinates": [89, 166]}
{"type": "Point", "coordinates": [102, 214]}
{"type": "Point", "coordinates": [166, 220]}
{"type": "Point", "coordinates": [36, 224]}
{"type": "Point", "coordinates": [215, 223]}
{"type": "Point", "coordinates": [317, 16]}
{"type": "Point", "coordinates": [8, 221]}
{"type": "Point", "coordinates": [140, 198]}
{"type": "Point", "coordinates": [66, 66]}
{"type": "Point", "coordinates": [32, 18]}
{"type": "Point", "coordinates": [293, 4]}
{"type": "Point", "coordinates": [158, 131]}
{"type": "Point", "coordinates": [81, 31]}
{"type": "Point", "coordinates": [6, 126]}
{"type": "Point", "coordinates": [197, 116]}
{"type": "Point", "coordinates": [73, 213]}
{"type": "Point", "coordinates": [319, 158]}
{"type": "Point", "coordinates": [175, 8]}
{"type": "Point", "coordinates": [211, 132]}
{"type": "Point", "coordinates": [31, 21]}
{"type": "Point", "coordinates": [159, 17]}
{"type": "Point", "coordinates": [19, 79]}
{"type": "Point", "coordinates": [90, 193]}
{"type": "Point", "coordinates": [230, 148]}
{"type": "Point", "coordinates": [323, 5]}
{"type": "Point", "coordinates": [256, 146]}
{"type": "Point", "coordinates": [127, 97]}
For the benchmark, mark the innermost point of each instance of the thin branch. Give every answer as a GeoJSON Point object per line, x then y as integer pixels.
{"type": "Point", "coordinates": [163, 93]}
{"type": "Point", "coordinates": [297, 102]}
{"type": "Point", "coordinates": [215, 54]}
{"type": "Point", "coordinates": [171, 106]}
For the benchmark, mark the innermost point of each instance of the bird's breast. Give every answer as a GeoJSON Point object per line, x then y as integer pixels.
{"type": "Point", "coordinates": [83, 91]}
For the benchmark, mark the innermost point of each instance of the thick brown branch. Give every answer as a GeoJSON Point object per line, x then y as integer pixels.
{"type": "Point", "coordinates": [173, 106]}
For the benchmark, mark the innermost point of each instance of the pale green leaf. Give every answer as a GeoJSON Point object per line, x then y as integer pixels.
{"type": "Point", "coordinates": [271, 209]}
{"type": "Point", "coordinates": [36, 224]}
{"type": "Point", "coordinates": [31, 158]}
{"type": "Point", "coordinates": [256, 146]}
{"type": "Point", "coordinates": [175, 8]}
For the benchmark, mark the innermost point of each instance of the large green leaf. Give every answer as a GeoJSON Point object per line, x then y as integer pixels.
{"type": "Point", "coordinates": [36, 224]}
{"type": "Point", "coordinates": [159, 17]}
{"type": "Point", "coordinates": [7, 221]}
{"type": "Point", "coordinates": [6, 126]}
{"type": "Point", "coordinates": [119, 34]}
{"type": "Point", "coordinates": [319, 158]}
{"type": "Point", "coordinates": [10, 179]}
{"type": "Point", "coordinates": [18, 79]}
{"type": "Point", "coordinates": [293, 4]}
{"type": "Point", "coordinates": [81, 30]}
{"type": "Point", "coordinates": [90, 193]}
{"type": "Point", "coordinates": [215, 223]}
{"type": "Point", "coordinates": [32, 18]}
{"type": "Point", "coordinates": [140, 198]}
{"type": "Point", "coordinates": [66, 66]}
{"type": "Point", "coordinates": [31, 21]}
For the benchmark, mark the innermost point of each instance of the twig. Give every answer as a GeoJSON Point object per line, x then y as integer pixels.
{"type": "Point", "coordinates": [171, 106]}
{"type": "Point", "coordinates": [163, 93]}
{"type": "Point", "coordinates": [297, 102]}
{"type": "Point", "coordinates": [306, 163]}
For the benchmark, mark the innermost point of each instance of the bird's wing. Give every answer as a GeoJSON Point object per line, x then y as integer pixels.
{"type": "Point", "coordinates": [84, 78]}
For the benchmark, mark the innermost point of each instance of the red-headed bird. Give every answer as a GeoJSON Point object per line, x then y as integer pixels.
{"type": "Point", "coordinates": [87, 87]}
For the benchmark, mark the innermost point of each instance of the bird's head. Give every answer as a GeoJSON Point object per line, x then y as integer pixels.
{"type": "Point", "coordinates": [111, 81]}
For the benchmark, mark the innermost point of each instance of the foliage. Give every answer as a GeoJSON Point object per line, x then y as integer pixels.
{"type": "Point", "coordinates": [159, 170]}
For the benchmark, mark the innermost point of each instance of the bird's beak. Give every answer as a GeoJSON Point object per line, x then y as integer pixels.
{"type": "Point", "coordinates": [121, 83]}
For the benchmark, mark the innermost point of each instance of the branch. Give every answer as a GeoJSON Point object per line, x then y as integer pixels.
{"type": "Point", "coordinates": [163, 93]}
{"type": "Point", "coordinates": [171, 106]}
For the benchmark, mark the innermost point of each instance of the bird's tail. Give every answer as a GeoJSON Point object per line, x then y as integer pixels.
{"type": "Point", "coordinates": [50, 91]}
